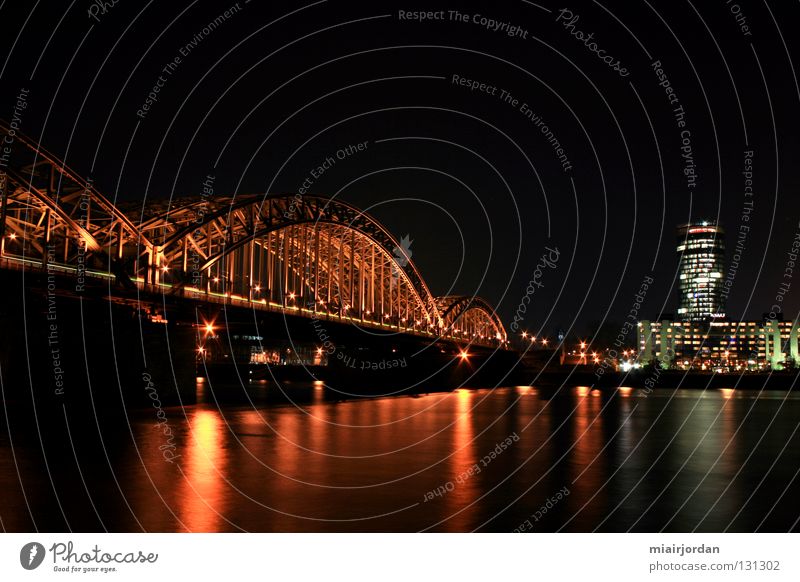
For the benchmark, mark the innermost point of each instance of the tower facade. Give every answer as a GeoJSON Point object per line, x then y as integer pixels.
{"type": "Point", "coordinates": [701, 246]}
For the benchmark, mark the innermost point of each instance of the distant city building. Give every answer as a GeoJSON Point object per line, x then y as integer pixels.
{"type": "Point", "coordinates": [702, 249]}
{"type": "Point", "coordinates": [702, 337]}
{"type": "Point", "coordinates": [720, 345]}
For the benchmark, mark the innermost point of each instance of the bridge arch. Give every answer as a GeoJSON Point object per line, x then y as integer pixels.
{"type": "Point", "coordinates": [52, 215]}
{"type": "Point", "coordinates": [470, 318]}
{"type": "Point", "coordinates": [314, 250]}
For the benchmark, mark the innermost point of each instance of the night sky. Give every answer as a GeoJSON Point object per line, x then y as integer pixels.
{"type": "Point", "coordinates": [265, 95]}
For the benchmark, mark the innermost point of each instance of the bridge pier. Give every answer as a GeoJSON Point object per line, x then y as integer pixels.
{"type": "Point", "coordinates": [82, 352]}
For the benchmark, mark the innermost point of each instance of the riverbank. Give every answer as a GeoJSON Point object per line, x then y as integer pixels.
{"type": "Point", "coordinates": [652, 378]}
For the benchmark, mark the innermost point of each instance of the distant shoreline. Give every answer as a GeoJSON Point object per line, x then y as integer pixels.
{"type": "Point", "coordinates": [654, 379]}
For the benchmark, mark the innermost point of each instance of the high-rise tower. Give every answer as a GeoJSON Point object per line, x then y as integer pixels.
{"type": "Point", "coordinates": [702, 249]}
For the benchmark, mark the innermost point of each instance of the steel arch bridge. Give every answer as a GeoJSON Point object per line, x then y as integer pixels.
{"type": "Point", "coordinates": [306, 255]}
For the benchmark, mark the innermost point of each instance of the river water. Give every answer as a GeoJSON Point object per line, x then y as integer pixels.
{"type": "Point", "coordinates": [516, 458]}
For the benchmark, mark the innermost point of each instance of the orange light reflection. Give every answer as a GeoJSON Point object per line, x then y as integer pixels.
{"type": "Point", "coordinates": [201, 497]}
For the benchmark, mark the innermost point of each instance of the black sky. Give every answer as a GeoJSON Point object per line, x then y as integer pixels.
{"type": "Point", "coordinates": [279, 86]}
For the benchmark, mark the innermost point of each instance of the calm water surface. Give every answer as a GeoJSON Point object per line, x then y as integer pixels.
{"type": "Point", "coordinates": [673, 460]}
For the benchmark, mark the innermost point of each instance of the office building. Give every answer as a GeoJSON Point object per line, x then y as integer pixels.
{"type": "Point", "coordinates": [702, 265]}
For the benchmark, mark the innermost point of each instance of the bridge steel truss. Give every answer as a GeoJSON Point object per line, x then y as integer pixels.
{"type": "Point", "coordinates": [469, 318]}
{"type": "Point", "coordinates": [51, 215]}
{"type": "Point", "coordinates": [308, 255]}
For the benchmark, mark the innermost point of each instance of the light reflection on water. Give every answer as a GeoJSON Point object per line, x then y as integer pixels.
{"type": "Point", "coordinates": [670, 459]}
{"type": "Point", "coordinates": [201, 498]}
